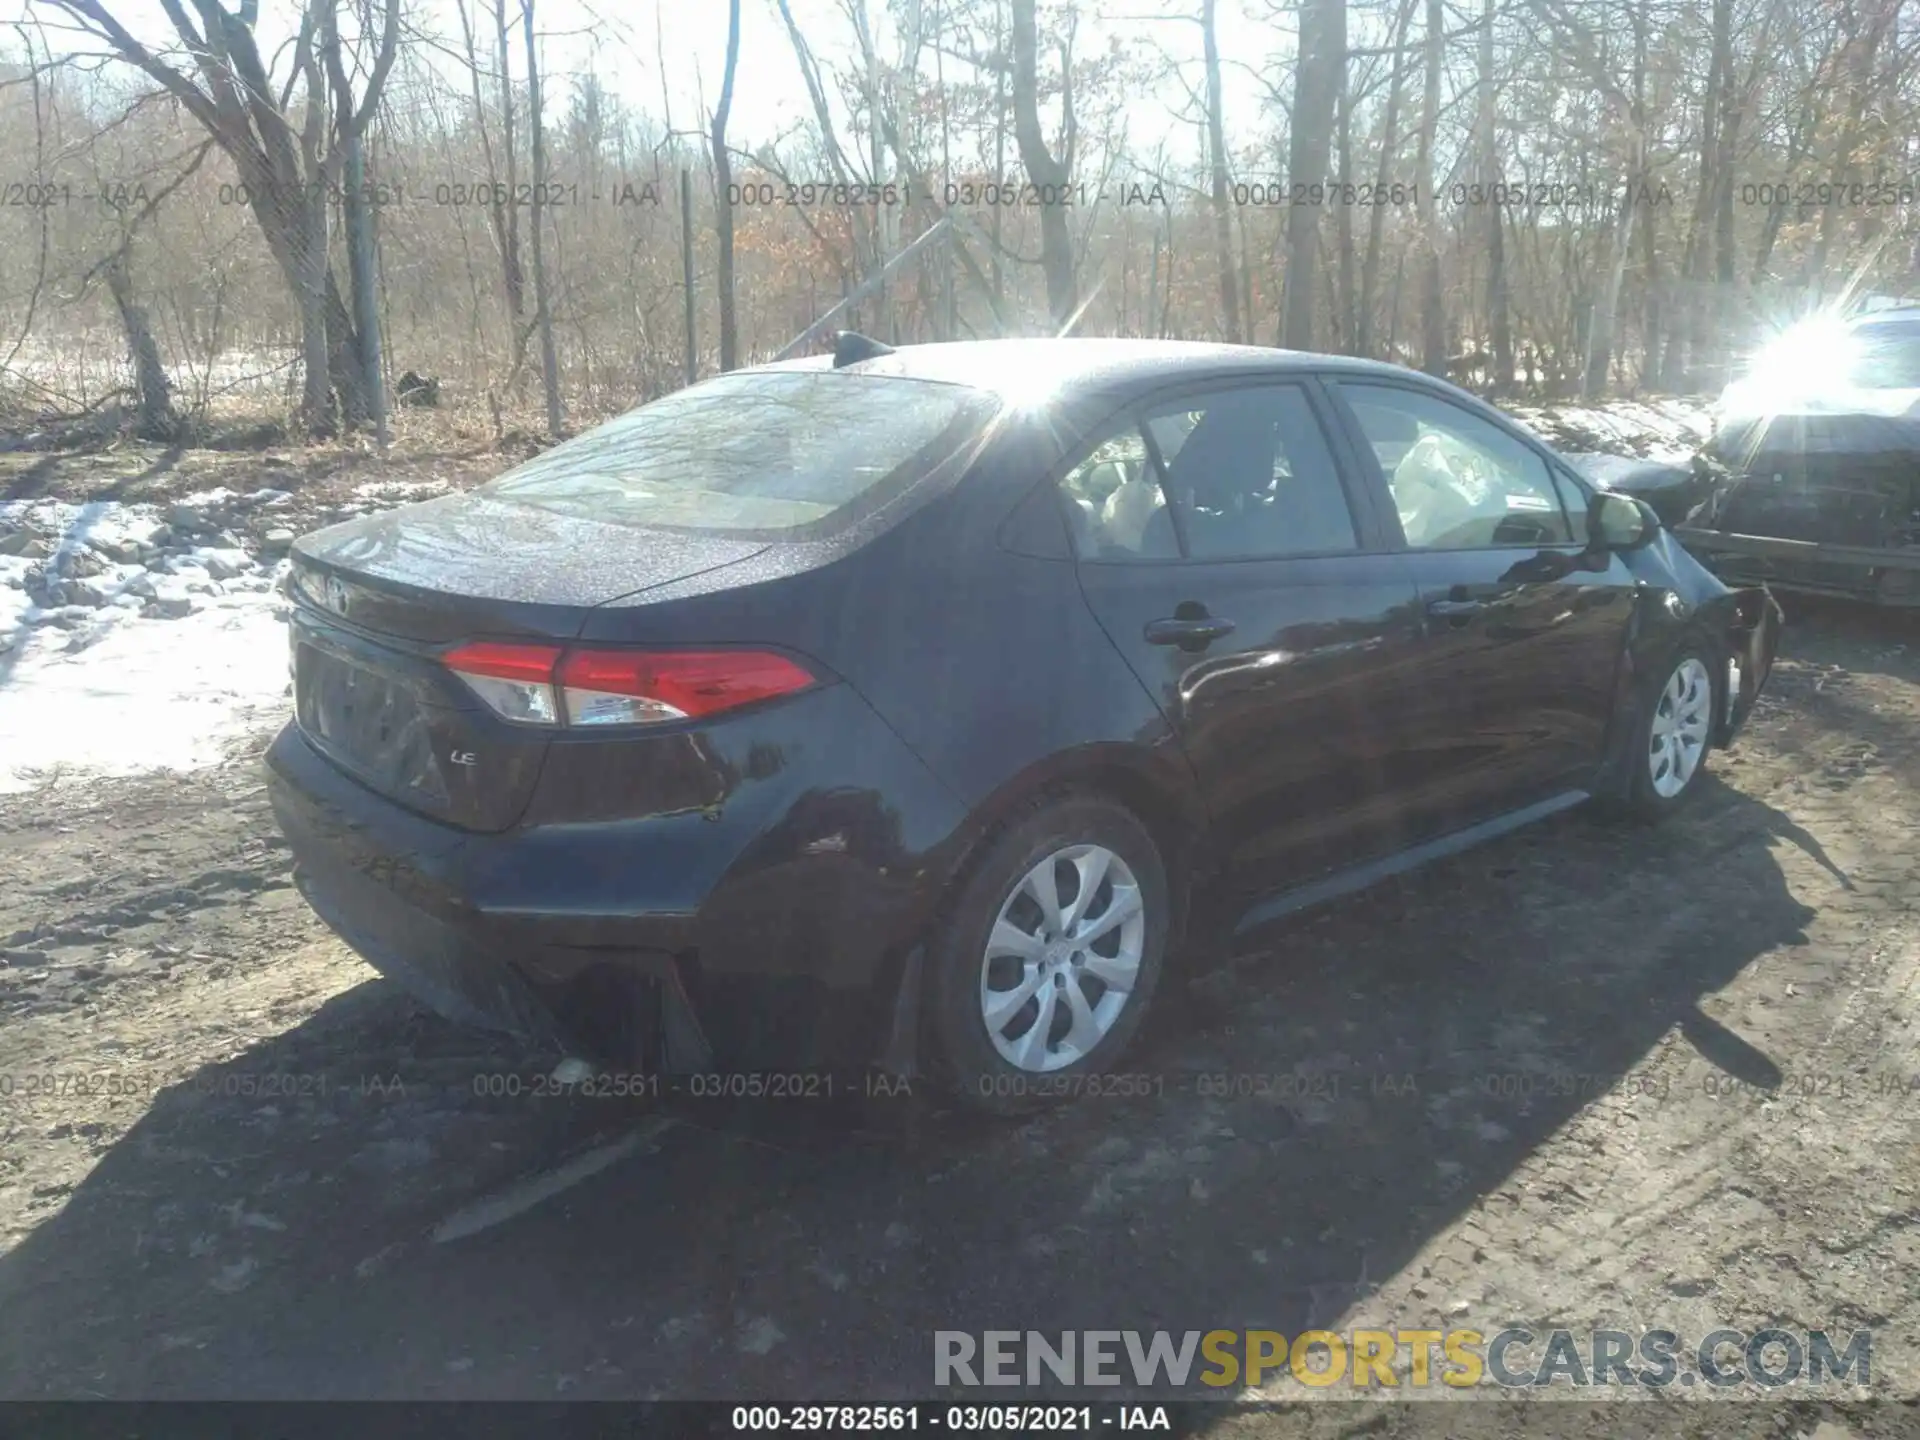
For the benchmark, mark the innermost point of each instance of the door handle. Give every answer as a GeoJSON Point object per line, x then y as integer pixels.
{"type": "Point", "coordinates": [1455, 609]}
{"type": "Point", "coordinates": [1190, 633]}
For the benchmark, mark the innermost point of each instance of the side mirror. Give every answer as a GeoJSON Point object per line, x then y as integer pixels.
{"type": "Point", "coordinates": [1621, 522]}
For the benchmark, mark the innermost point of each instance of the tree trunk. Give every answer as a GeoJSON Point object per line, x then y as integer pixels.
{"type": "Point", "coordinates": [1499, 323]}
{"type": "Point", "coordinates": [542, 305]}
{"type": "Point", "coordinates": [316, 355]}
{"type": "Point", "coordinates": [1689, 341]}
{"type": "Point", "coordinates": [1600, 329]}
{"type": "Point", "coordinates": [999, 155]}
{"type": "Point", "coordinates": [1217, 167]}
{"type": "Point", "coordinates": [1321, 63]}
{"type": "Point", "coordinates": [1050, 174]}
{"type": "Point", "coordinates": [154, 417]}
{"type": "Point", "coordinates": [723, 181]}
{"type": "Point", "coordinates": [1377, 215]}
{"type": "Point", "coordinates": [360, 366]}
{"type": "Point", "coordinates": [1346, 324]}
{"type": "Point", "coordinates": [1603, 329]}
{"type": "Point", "coordinates": [1433, 315]}
{"type": "Point", "coordinates": [366, 306]}
{"type": "Point", "coordinates": [506, 214]}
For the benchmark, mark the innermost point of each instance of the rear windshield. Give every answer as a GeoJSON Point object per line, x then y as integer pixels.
{"type": "Point", "coordinates": [1887, 357]}
{"type": "Point", "coordinates": [776, 453]}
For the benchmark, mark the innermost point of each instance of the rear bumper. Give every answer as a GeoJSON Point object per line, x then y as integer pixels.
{"type": "Point", "coordinates": [1887, 574]}
{"type": "Point", "coordinates": [764, 931]}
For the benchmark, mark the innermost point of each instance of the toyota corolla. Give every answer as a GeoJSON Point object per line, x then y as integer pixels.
{"type": "Point", "coordinates": [919, 708]}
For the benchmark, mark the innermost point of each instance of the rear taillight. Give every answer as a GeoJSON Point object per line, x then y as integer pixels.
{"type": "Point", "coordinates": [516, 681]}
{"type": "Point", "coordinates": [627, 687]}
{"type": "Point", "coordinates": [547, 685]}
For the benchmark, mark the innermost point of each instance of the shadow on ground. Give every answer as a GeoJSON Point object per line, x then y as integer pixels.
{"type": "Point", "coordinates": [1315, 1113]}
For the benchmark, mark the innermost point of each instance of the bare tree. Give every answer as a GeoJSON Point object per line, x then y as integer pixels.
{"type": "Point", "coordinates": [1320, 65]}
{"type": "Point", "coordinates": [1499, 322]}
{"type": "Point", "coordinates": [542, 304]}
{"type": "Point", "coordinates": [723, 185]}
{"type": "Point", "coordinates": [1433, 317]}
{"type": "Point", "coordinates": [1383, 179]}
{"type": "Point", "coordinates": [503, 217]}
{"type": "Point", "coordinates": [1050, 174]}
{"type": "Point", "coordinates": [1217, 172]}
{"type": "Point", "coordinates": [288, 172]}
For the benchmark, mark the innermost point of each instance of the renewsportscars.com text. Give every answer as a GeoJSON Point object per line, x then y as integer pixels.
{"type": "Point", "coordinates": [1514, 1358]}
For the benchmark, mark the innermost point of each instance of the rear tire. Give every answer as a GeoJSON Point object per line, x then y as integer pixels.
{"type": "Point", "coordinates": [1049, 955]}
{"type": "Point", "coordinates": [1673, 732]}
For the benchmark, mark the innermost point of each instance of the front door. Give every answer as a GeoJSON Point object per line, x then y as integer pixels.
{"type": "Point", "coordinates": [1525, 623]}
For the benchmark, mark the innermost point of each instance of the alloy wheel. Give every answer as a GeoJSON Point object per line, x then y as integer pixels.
{"type": "Point", "coordinates": [1681, 720]}
{"type": "Point", "coordinates": [1062, 958]}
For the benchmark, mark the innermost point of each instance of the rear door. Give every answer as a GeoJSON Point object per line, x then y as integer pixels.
{"type": "Point", "coordinates": [1221, 550]}
{"type": "Point", "coordinates": [1524, 625]}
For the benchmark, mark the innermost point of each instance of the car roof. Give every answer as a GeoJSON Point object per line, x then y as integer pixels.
{"type": "Point", "coordinates": [1013, 366]}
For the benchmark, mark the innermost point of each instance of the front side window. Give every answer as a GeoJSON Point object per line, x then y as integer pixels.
{"type": "Point", "coordinates": [1458, 481]}
{"type": "Point", "coordinates": [777, 453]}
{"type": "Point", "coordinates": [1241, 474]}
{"type": "Point", "coordinates": [1574, 501]}
{"type": "Point", "coordinates": [1252, 475]}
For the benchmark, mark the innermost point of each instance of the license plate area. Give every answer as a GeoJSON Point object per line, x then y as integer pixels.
{"type": "Point", "coordinates": [369, 724]}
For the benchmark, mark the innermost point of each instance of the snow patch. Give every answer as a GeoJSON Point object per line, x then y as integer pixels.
{"type": "Point", "coordinates": [1667, 430]}
{"type": "Point", "coordinates": [110, 666]}
{"type": "Point", "coordinates": [399, 491]}
{"type": "Point", "coordinates": [146, 694]}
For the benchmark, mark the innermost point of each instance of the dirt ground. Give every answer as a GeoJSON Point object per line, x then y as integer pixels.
{"type": "Point", "coordinates": [1585, 1076]}
{"type": "Point", "coordinates": [431, 450]}
{"type": "Point", "coordinates": [1636, 1077]}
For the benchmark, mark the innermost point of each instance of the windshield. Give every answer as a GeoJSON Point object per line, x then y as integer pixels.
{"type": "Point", "coordinates": [776, 452]}
{"type": "Point", "coordinates": [1887, 357]}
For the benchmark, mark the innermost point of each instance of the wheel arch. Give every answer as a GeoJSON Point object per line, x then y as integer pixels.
{"type": "Point", "coordinates": [1662, 625]}
{"type": "Point", "coordinates": [1155, 786]}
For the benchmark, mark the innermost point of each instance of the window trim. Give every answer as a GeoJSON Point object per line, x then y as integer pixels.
{"type": "Point", "coordinates": [1105, 433]}
{"type": "Point", "coordinates": [1361, 507]}
{"type": "Point", "coordinates": [1369, 462]}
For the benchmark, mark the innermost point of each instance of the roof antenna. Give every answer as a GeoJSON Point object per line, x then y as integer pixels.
{"type": "Point", "coordinates": [850, 347]}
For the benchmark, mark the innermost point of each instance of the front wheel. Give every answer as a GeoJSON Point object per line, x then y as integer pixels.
{"type": "Point", "coordinates": [1050, 955]}
{"type": "Point", "coordinates": [1673, 734]}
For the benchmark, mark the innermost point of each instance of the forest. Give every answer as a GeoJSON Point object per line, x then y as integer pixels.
{"type": "Point", "coordinates": [318, 212]}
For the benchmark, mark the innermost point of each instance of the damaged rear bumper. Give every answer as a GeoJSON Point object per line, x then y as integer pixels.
{"type": "Point", "coordinates": [514, 932]}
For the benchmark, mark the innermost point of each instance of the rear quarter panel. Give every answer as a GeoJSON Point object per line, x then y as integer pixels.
{"type": "Point", "coordinates": [984, 660]}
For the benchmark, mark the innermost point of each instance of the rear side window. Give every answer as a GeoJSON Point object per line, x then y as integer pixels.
{"type": "Point", "coordinates": [1115, 505]}
{"type": "Point", "coordinates": [785, 454]}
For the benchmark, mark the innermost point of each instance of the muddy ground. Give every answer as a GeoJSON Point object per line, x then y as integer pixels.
{"type": "Point", "coordinates": [1584, 1076]}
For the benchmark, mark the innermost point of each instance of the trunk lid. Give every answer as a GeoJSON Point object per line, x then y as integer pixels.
{"type": "Point", "coordinates": [378, 600]}
{"type": "Point", "coordinates": [433, 571]}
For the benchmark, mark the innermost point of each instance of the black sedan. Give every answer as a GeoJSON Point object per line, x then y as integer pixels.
{"type": "Point", "coordinates": [917, 708]}
{"type": "Point", "coordinates": [1814, 467]}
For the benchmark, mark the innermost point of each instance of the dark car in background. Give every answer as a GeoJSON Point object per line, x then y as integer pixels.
{"type": "Point", "coordinates": [1671, 489]}
{"type": "Point", "coordinates": [1814, 467]}
{"type": "Point", "coordinates": [910, 708]}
